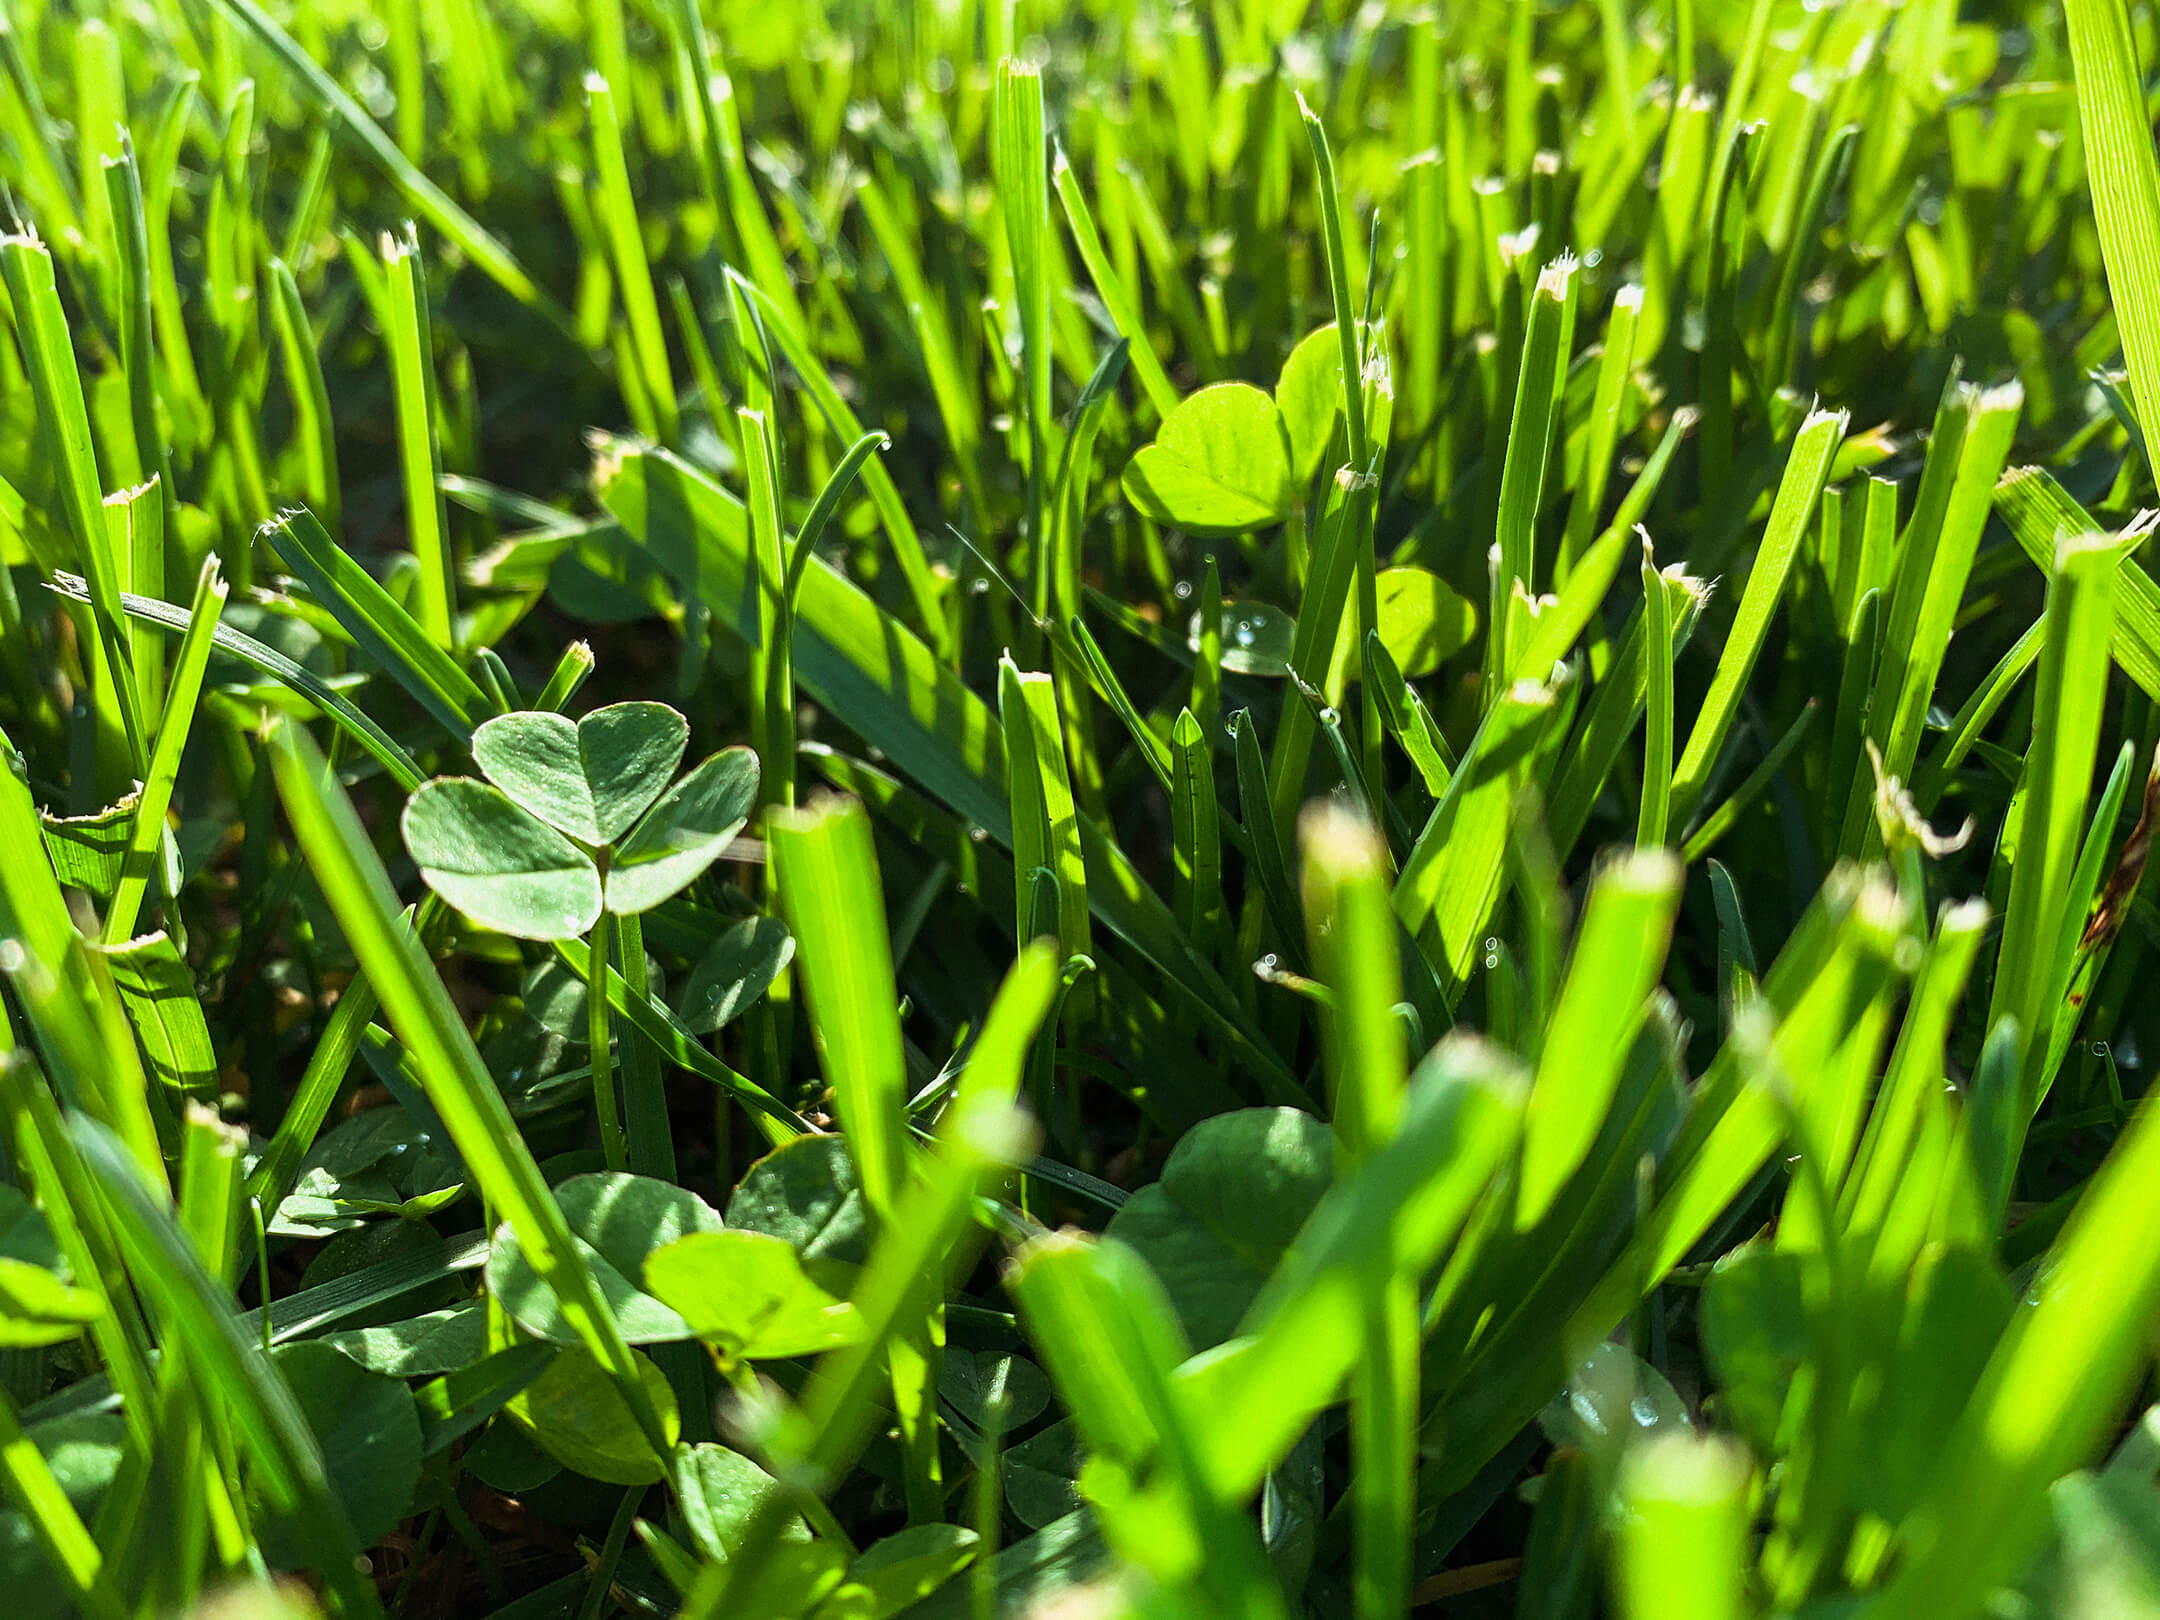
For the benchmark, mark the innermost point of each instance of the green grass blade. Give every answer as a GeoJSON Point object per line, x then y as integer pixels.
{"type": "Point", "coordinates": [1619, 954]}
{"type": "Point", "coordinates": [313, 431]}
{"type": "Point", "coordinates": [2040, 512]}
{"type": "Point", "coordinates": [2125, 183]}
{"type": "Point", "coordinates": [836, 907]}
{"type": "Point", "coordinates": [1805, 472]}
{"type": "Point", "coordinates": [2067, 705]}
{"type": "Point", "coordinates": [390, 638]}
{"type": "Point", "coordinates": [407, 336]}
{"type": "Point", "coordinates": [197, 1313]}
{"type": "Point", "coordinates": [626, 243]}
{"type": "Point", "coordinates": [370, 737]}
{"type": "Point", "coordinates": [147, 834]}
{"type": "Point", "coordinates": [1655, 813]}
{"type": "Point", "coordinates": [1546, 337]}
{"type": "Point", "coordinates": [56, 386]}
{"type": "Point", "coordinates": [1110, 286]}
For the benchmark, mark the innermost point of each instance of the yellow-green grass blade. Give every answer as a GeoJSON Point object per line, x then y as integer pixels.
{"type": "Point", "coordinates": [2125, 183]}
{"type": "Point", "coordinates": [1806, 469]}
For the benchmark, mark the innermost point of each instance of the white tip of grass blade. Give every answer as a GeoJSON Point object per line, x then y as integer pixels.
{"type": "Point", "coordinates": [595, 82]}
{"type": "Point", "coordinates": [1552, 281]}
{"type": "Point", "coordinates": [1629, 299]}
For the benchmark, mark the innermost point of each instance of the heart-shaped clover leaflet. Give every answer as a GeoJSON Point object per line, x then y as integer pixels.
{"type": "Point", "coordinates": [590, 778]}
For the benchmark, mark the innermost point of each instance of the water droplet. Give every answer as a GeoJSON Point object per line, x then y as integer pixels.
{"type": "Point", "coordinates": [1182, 589]}
{"type": "Point", "coordinates": [1244, 634]}
{"type": "Point", "coordinates": [12, 956]}
{"type": "Point", "coordinates": [1644, 1411]}
{"type": "Point", "coordinates": [979, 834]}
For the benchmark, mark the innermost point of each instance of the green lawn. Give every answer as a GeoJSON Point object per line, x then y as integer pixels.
{"type": "Point", "coordinates": [966, 808]}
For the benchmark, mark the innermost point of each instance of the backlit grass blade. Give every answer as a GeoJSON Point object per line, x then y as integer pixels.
{"type": "Point", "coordinates": [1805, 472]}
{"type": "Point", "coordinates": [1354, 949]}
{"type": "Point", "coordinates": [1602, 432]}
{"type": "Point", "coordinates": [836, 907]}
{"type": "Point", "coordinates": [198, 1315]}
{"type": "Point", "coordinates": [899, 527]}
{"type": "Point", "coordinates": [314, 434]}
{"type": "Point", "coordinates": [1045, 832]}
{"type": "Point", "coordinates": [56, 386]}
{"type": "Point", "coordinates": [422, 1015]}
{"type": "Point", "coordinates": [2067, 705]}
{"type": "Point", "coordinates": [1619, 953]}
{"type": "Point", "coordinates": [626, 242]}
{"type": "Point", "coordinates": [1684, 1529]}
{"type": "Point", "coordinates": [1461, 1118]}
{"type": "Point", "coordinates": [2125, 183]}
{"type": "Point", "coordinates": [1654, 814]}
{"type": "Point", "coordinates": [1547, 335]}
{"type": "Point", "coordinates": [2040, 512]}
{"type": "Point", "coordinates": [412, 386]}
{"type": "Point", "coordinates": [147, 833]}
{"type": "Point", "coordinates": [1934, 564]}
{"type": "Point", "coordinates": [980, 1139]}
{"type": "Point", "coordinates": [1196, 836]}
{"type": "Point", "coordinates": [1454, 875]}
{"type": "Point", "coordinates": [1023, 189]}
{"type": "Point", "coordinates": [1116, 296]}
{"type": "Point", "coordinates": [344, 115]}
{"type": "Point", "coordinates": [392, 640]}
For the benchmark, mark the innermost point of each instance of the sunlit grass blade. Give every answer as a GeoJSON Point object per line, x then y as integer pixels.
{"type": "Point", "coordinates": [412, 385]}
{"type": "Point", "coordinates": [48, 355]}
{"type": "Point", "coordinates": [1547, 336]}
{"type": "Point", "coordinates": [370, 737]}
{"type": "Point", "coordinates": [314, 434]}
{"type": "Point", "coordinates": [2124, 179]}
{"type": "Point", "coordinates": [1454, 875]}
{"type": "Point", "coordinates": [1619, 953]}
{"type": "Point", "coordinates": [147, 834]}
{"type": "Point", "coordinates": [1684, 1529]}
{"type": "Point", "coordinates": [1110, 286]}
{"type": "Point", "coordinates": [199, 1315]}
{"type": "Point", "coordinates": [394, 641]}
{"type": "Point", "coordinates": [1654, 814]}
{"type": "Point", "coordinates": [1935, 560]}
{"type": "Point", "coordinates": [2040, 512]}
{"type": "Point", "coordinates": [633, 272]}
{"type": "Point", "coordinates": [1354, 949]}
{"type": "Point", "coordinates": [2067, 704]}
{"type": "Point", "coordinates": [1805, 471]}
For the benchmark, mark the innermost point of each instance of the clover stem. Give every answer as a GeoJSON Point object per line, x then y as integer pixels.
{"type": "Point", "coordinates": [612, 1145]}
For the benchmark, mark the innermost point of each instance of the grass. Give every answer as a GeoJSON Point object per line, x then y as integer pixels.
{"type": "Point", "coordinates": [983, 810]}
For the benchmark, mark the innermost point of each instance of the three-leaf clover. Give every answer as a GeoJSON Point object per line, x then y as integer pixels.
{"type": "Point", "coordinates": [573, 820]}
{"type": "Point", "coordinates": [576, 826]}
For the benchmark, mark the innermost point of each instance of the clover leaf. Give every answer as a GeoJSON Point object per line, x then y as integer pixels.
{"type": "Point", "coordinates": [1220, 465]}
{"type": "Point", "coordinates": [591, 779]}
{"type": "Point", "coordinates": [518, 853]}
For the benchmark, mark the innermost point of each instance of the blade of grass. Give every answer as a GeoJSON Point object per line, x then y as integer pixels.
{"type": "Point", "coordinates": [1806, 470]}
{"type": "Point", "coordinates": [409, 339]}
{"type": "Point", "coordinates": [147, 834]}
{"type": "Point", "coordinates": [2124, 180]}
{"type": "Point", "coordinates": [391, 639]}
